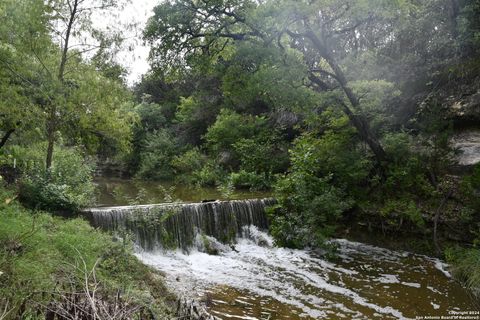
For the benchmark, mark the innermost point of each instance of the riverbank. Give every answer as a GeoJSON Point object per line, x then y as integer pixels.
{"type": "Point", "coordinates": [52, 267]}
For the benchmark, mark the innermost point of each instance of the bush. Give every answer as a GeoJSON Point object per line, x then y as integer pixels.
{"type": "Point", "coordinates": [66, 186]}
{"type": "Point", "coordinates": [313, 196]}
{"type": "Point", "coordinates": [307, 211]}
{"type": "Point", "coordinates": [156, 156]}
{"type": "Point", "coordinates": [256, 154]}
{"type": "Point", "coordinates": [250, 180]}
{"type": "Point", "coordinates": [229, 128]}
{"type": "Point", "coordinates": [188, 165]}
{"type": "Point", "coordinates": [211, 174]}
{"type": "Point", "coordinates": [193, 167]}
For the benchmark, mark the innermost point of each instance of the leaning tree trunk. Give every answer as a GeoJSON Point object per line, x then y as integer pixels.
{"type": "Point", "coordinates": [6, 136]}
{"type": "Point", "coordinates": [357, 119]}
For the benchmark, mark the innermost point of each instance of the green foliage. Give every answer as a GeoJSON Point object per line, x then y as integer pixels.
{"type": "Point", "coordinates": [469, 26]}
{"type": "Point", "coordinates": [470, 187]}
{"type": "Point", "coordinates": [394, 211]}
{"type": "Point", "coordinates": [190, 161]}
{"type": "Point", "coordinates": [309, 208]}
{"type": "Point", "coordinates": [67, 186]}
{"type": "Point", "coordinates": [255, 154]}
{"type": "Point", "coordinates": [335, 153]}
{"type": "Point", "coordinates": [156, 156]}
{"type": "Point", "coordinates": [194, 168]}
{"type": "Point", "coordinates": [210, 174]}
{"type": "Point", "coordinates": [250, 180]}
{"type": "Point", "coordinates": [195, 114]}
{"type": "Point", "coordinates": [313, 196]}
{"type": "Point", "coordinates": [406, 172]}
{"type": "Point", "coordinates": [230, 127]}
{"type": "Point", "coordinates": [465, 266]}
{"type": "Point", "coordinates": [41, 256]}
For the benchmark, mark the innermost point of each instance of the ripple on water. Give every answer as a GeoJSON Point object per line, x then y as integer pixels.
{"type": "Point", "coordinates": [364, 282]}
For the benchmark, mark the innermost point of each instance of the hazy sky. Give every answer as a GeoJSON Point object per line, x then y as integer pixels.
{"type": "Point", "coordinates": [135, 61]}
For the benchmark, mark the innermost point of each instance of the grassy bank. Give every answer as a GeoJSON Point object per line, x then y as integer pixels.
{"type": "Point", "coordinates": [51, 267]}
{"type": "Point", "coordinates": [466, 267]}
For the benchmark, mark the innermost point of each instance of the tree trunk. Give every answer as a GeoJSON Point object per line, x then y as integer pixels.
{"type": "Point", "coordinates": [436, 219]}
{"type": "Point", "coordinates": [6, 137]}
{"type": "Point", "coordinates": [50, 138]}
{"type": "Point", "coordinates": [358, 121]}
{"type": "Point", "coordinates": [52, 120]}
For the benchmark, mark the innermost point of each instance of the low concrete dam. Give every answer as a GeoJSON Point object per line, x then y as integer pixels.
{"type": "Point", "coordinates": [177, 225]}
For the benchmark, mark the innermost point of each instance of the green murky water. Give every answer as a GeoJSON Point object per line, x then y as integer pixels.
{"type": "Point", "coordinates": [119, 192]}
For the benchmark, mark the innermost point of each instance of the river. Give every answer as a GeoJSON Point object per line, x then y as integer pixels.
{"type": "Point", "coordinates": [119, 192]}
{"type": "Point", "coordinates": [265, 282]}
{"type": "Point", "coordinates": [253, 279]}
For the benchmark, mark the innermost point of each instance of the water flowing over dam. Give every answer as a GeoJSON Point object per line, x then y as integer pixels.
{"type": "Point", "coordinates": [177, 225]}
{"type": "Point", "coordinates": [221, 254]}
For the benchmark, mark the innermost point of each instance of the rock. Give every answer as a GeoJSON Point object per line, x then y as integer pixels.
{"type": "Point", "coordinates": [192, 310]}
{"type": "Point", "coordinates": [465, 109]}
{"type": "Point", "coordinates": [210, 245]}
{"type": "Point", "coordinates": [468, 144]}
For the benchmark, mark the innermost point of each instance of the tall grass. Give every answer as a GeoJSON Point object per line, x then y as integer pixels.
{"type": "Point", "coordinates": [466, 267]}
{"type": "Point", "coordinates": [48, 264]}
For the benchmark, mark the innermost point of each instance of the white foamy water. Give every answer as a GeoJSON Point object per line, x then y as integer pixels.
{"type": "Point", "coordinates": [364, 282]}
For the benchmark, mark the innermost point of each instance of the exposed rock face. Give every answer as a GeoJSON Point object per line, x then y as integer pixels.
{"type": "Point", "coordinates": [465, 109]}
{"type": "Point", "coordinates": [468, 143]}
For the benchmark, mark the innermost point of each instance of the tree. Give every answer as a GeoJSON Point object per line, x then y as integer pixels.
{"type": "Point", "coordinates": [319, 30]}
{"type": "Point", "coordinates": [24, 39]}
{"type": "Point", "coordinates": [72, 18]}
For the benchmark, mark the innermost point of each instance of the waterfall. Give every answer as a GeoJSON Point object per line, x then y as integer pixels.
{"type": "Point", "coordinates": [177, 225]}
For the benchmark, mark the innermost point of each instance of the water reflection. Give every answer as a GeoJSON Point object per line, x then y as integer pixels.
{"type": "Point", "coordinates": [118, 192]}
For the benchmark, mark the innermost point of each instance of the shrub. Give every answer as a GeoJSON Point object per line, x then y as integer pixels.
{"type": "Point", "coordinates": [66, 186]}
{"type": "Point", "coordinates": [210, 174]}
{"type": "Point", "coordinates": [307, 211]}
{"type": "Point", "coordinates": [313, 196]}
{"type": "Point", "coordinates": [195, 168]}
{"type": "Point", "coordinates": [187, 164]}
{"type": "Point", "coordinates": [156, 156]}
{"type": "Point", "coordinates": [255, 154]}
{"type": "Point", "coordinates": [230, 127]}
{"type": "Point", "coordinates": [250, 180]}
